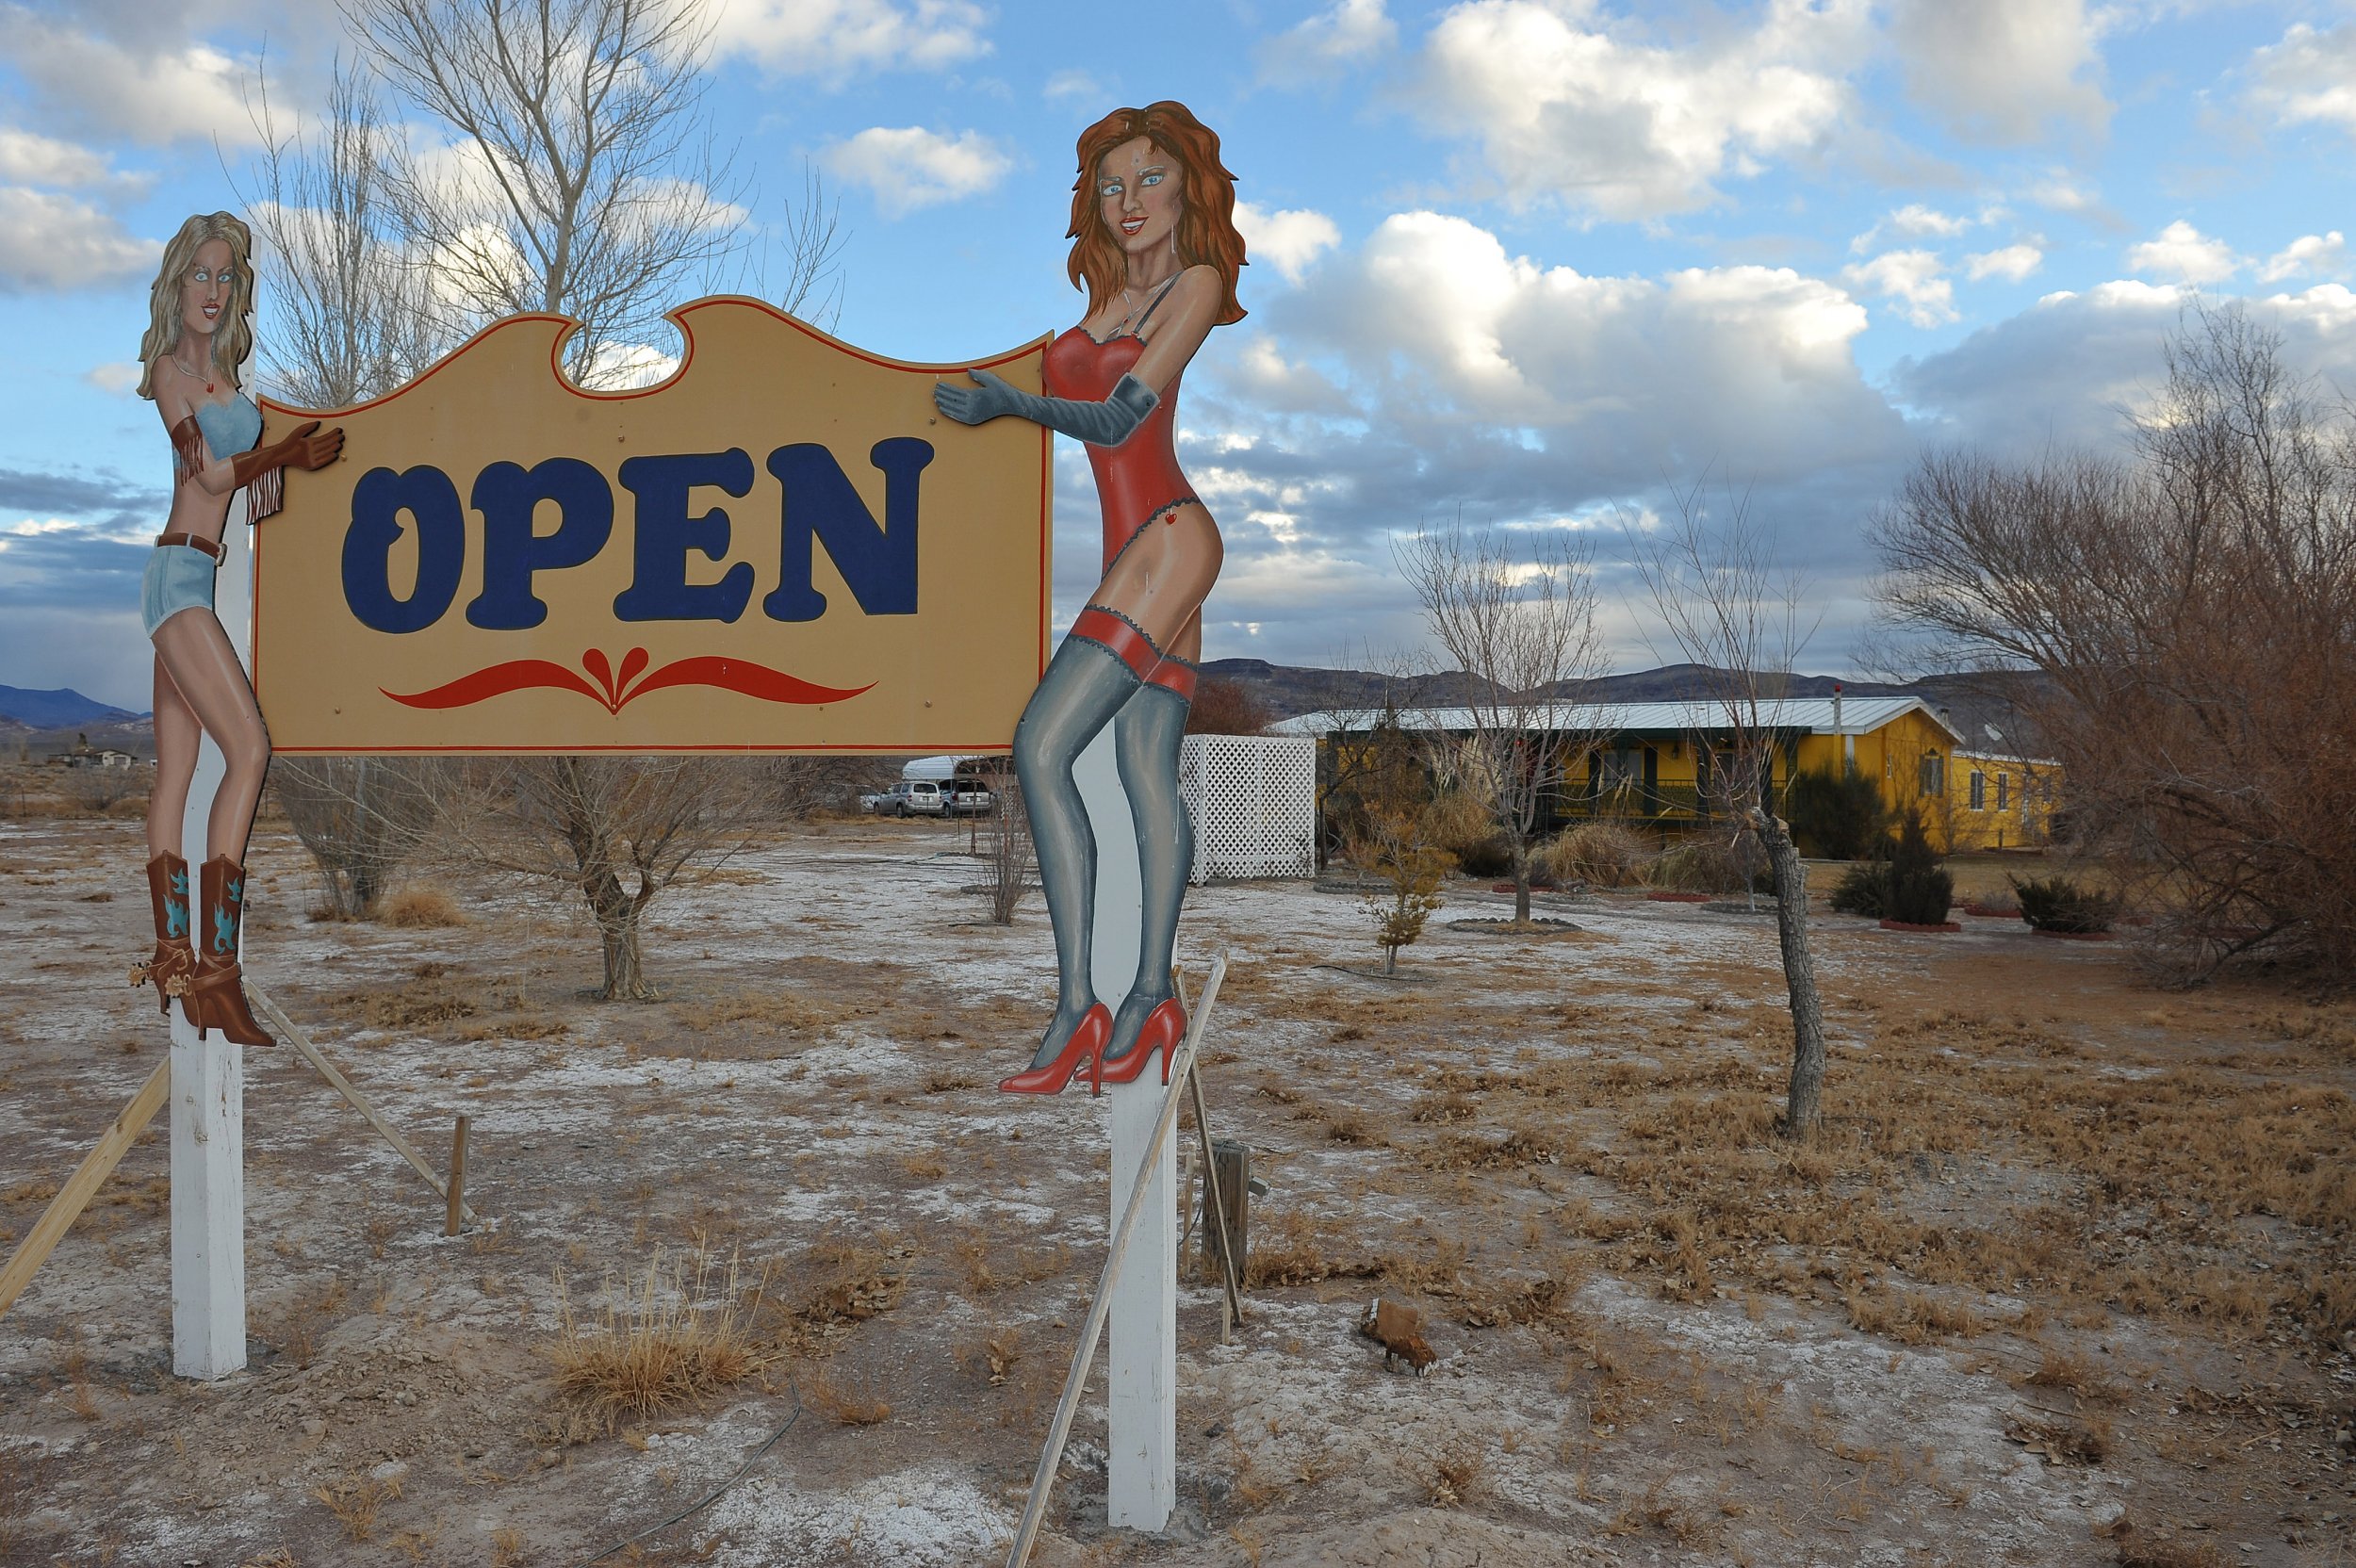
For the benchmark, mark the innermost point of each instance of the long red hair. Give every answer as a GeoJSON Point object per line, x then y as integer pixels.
{"type": "Point", "coordinates": [1206, 220]}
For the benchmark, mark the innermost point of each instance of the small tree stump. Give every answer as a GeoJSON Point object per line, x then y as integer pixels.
{"type": "Point", "coordinates": [1233, 1163]}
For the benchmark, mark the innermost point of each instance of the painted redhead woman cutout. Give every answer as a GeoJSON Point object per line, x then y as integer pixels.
{"type": "Point", "coordinates": [197, 337]}
{"type": "Point", "coordinates": [1154, 244]}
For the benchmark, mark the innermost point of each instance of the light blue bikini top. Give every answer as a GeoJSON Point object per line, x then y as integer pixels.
{"type": "Point", "coordinates": [230, 428]}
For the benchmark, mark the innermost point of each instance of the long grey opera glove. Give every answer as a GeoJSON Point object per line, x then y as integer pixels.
{"type": "Point", "coordinates": [1146, 740]}
{"type": "Point", "coordinates": [1086, 684]}
{"type": "Point", "coordinates": [1106, 424]}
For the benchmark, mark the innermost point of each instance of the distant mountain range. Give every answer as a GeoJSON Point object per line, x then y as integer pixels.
{"type": "Point", "coordinates": [1985, 708]}
{"type": "Point", "coordinates": [63, 709]}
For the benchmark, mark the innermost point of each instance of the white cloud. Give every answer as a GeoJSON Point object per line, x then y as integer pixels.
{"type": "Point", "coordinates": [1915, 279]}
{"type": "Point", "coordinates": [1912, 221]}
{"type": "Point", "coordinates": [50, 242]}
{"type": "Point", "coordinates": [907, 167]}
{"type": "Point", "coordinates": [1458, 342]}
{"type": "Point", "coordinates": [100, 87]}
{"type": "Point", "coordinates": [2320, 254]}
{"type": "Point", "coordinates": [818, 37]}
{"type": "Point", "coordinates": [2181, 251]}
{"type": "Point", "coordinates": [117, 377]}
{"type": "Point", "coordinates": [1566, 111]}
{"type": "Point", "coordinates": [2061, 373]}
{"type": "Point", "coordinates": [1289, 240]}
{"type": "Point", "coordinates": [2001, 71]}
{"type": "Point", "coordinates": [614, 366]}
{"type": "Point", "coordinates": [29, 159]}
{"type": "Point", "coordinates": [2012, 263]}
{"type": "Point", "coordinates": [2310, 76]}
{"type": "Point", "coordinates": [1346, 33]}
{"type": "Point", "coordinates": [2063, 193]}
{"type": "Point", "coordinates": [1074, 85]}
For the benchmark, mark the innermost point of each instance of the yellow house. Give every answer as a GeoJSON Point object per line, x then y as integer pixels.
{"type": "Point", "coordinates": [1652, 760]}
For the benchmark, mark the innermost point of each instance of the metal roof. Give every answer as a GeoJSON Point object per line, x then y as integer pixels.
{"type": "Point", "coordinates": [1806, 715]}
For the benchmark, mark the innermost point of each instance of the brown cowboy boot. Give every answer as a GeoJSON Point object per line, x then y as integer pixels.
{"type": "Point", "coordinates": [174, 960]}
{"type": "Point", "coordinates": [216, 998]}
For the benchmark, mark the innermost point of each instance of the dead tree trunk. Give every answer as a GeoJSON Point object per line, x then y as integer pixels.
{"type": "Point", "coordinates": [1804, 1110]}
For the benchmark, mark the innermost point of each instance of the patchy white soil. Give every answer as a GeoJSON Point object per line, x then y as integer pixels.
{"type": "Point", "coordinates": [819, 1072]}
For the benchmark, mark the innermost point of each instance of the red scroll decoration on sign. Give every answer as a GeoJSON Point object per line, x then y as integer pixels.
{"type": "Point", "coordinates": [613, 689]}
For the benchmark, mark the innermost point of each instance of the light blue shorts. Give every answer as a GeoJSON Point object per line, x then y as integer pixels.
{"type": "Point", "coordinates": [178, 577]}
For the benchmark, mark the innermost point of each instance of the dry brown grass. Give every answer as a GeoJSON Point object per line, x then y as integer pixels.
{"type": "Point", "coordinates": [420, 907]}
{"type": "Point", "coordinates": [1459, 1475]}
{"type": "Point", "coordinates": [774, 1011]}
{"type": "Point", "coordinates": [668, 1342]}
{"type": "Point", "coordinates": [851, 1402]}
{"type": "Point", "coordinates": [355, 1502]}
{"type": "Point", "coordinates": [308, 1314]}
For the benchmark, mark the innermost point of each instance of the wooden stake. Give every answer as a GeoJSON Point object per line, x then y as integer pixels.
{"type": "Point", "coordinates": [75, 1195]}
{"type": "Point", "coordinates": [1051, 1458]}
{"type": "Point", "coordinates": [342, 1085]}
{"type": "Point", "coordinates": [456, 1196]}
{"type": "Point", "coordinates": [1231, 1311]}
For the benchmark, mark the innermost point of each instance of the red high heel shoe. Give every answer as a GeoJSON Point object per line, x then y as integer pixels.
{"type": "Point", "coordinates": [1164, 1026]}
{"type": "Point", "coordinates": [1086, 1045]}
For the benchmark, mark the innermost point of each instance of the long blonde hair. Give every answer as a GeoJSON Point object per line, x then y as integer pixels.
{"type": "Point", "coordinates": [234, 338]}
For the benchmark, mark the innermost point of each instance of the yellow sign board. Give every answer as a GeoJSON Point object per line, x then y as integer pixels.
{"type": "Point", "coordinates": [783, 547]}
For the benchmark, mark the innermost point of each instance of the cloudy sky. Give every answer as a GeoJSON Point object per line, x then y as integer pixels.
{"type": "Point", "coordinates": [1541, 261]}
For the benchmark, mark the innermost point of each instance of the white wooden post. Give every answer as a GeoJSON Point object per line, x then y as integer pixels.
{"type": "Point", "coordinates": [208, 1079]}
{"type": "Point", "coordinates": [1141, 1352]}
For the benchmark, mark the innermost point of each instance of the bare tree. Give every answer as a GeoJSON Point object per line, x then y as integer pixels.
{"type": "Point", "coordinates": [1720, 598]}
{"type": "Point", "coordinates": [1006, 862]}
{"type": "Point", "coordinates": [585, 180]}
{"type": "Point", "coordinates": [360, 817]}
{"type": "Point", "coordinates": [2193, 609]}
{"type": "Point", "coordinates": [582, 180]}
{"type": "Point", "coordinates": [350, 316]}
{"type": "Point", "coordinates": [348, 307]}
{"type": "Point", "coordinates": [620, 830]}
{"type": "Point", "coordinates": [1518, 631]}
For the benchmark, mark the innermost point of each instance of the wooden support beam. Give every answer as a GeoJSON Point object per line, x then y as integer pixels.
{"type": "Point", "coordinates": [456, 1197]}
{"type": "Point", "coordinates": [75, 1195]}
{"type": "Point", "coordinates": [1051, 1458]}
{"type": "Point", "coordinates": [342, 1085]}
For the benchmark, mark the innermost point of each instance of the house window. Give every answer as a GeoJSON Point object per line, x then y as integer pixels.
{"type": "Point", "coordinates": [1623, 769]}
{"type": "Point", "coordinates": [1979, 791]}
{"type": "Point", "coordinates": [1934, 774]}
{"type": "Point", "coordinates": [2003, 792]}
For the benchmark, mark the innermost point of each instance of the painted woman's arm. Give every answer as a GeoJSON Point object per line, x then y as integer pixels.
{"type": "Point", "coordinates": [1181, 323]}
{"type": "Point", "coordinates": [191, 458]}
{"type": "Point", "coordinates": [1192, 305]}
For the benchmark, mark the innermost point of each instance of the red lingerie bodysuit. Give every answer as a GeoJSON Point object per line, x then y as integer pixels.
{"type": "Point", "coordinates": [1139, 481]}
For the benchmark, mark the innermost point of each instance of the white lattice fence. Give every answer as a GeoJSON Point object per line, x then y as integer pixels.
{"type": "Point", "coordinates": [1254, 800]}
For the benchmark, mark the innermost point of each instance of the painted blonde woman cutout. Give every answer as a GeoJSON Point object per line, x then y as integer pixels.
{"type": "Point", "coordinates": [1154, 244]}
{"type": "Point", "coordinates": [198, 336]}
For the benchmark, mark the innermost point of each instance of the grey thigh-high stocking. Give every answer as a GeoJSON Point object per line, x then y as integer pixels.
{"type": "Point", "coordinates": [1086, 684]}
{"type": "Point", "coordinates": [1146, 737]}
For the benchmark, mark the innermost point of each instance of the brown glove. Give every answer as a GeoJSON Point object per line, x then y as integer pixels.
{"type": "Point", "coordinates": [304, 448]}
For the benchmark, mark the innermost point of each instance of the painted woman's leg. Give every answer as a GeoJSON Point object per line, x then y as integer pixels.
{"type": "Point", "coordinates": [1146, 739]}
{"type": "Point", "coordinates": [1086, 684]}
{"type": "Point", "coordinates": [196, 655]}
{"type": "Point", "coordinates": [176, 738]}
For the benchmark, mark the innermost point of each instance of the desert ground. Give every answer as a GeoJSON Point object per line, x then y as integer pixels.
{"type": "Point", "coordinates": [2067, 1278]}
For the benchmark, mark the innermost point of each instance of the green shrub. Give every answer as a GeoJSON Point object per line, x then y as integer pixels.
{"type": "Point", "coordinates": [1921, 891]}
{"type": "Point", "coordinates": [1838, 816]}
{"type": "Point", "coordinates": [1864, 889]}
{"type": "Point", "coordinates": [2057, 904]}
